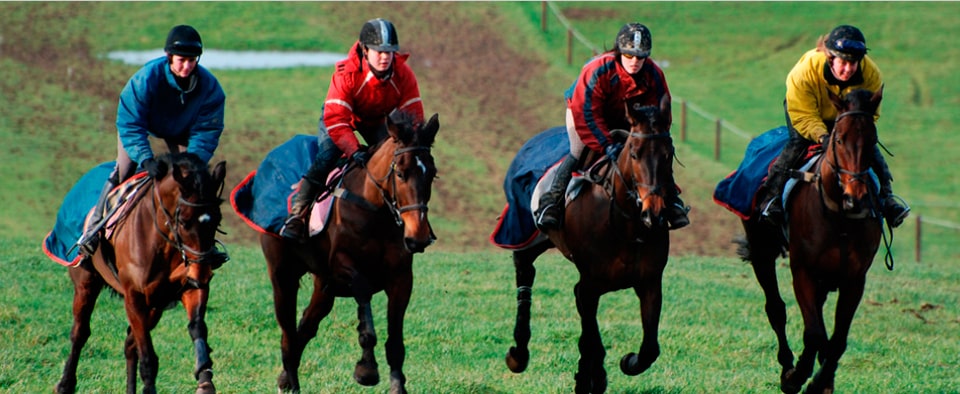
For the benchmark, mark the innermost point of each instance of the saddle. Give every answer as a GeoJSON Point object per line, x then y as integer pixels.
{"type": "Point", "coordinates": [320, 211]}
{"type": "Point", "coordinates": [120, 201]}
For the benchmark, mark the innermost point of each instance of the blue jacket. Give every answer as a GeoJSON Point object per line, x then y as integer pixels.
{"type": "Point", "coordinates": [152, 103]}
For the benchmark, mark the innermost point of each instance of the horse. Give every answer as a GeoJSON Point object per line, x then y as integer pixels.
{"type": "Point", "coordinates": [615, 236]}
{"type": "Point", "coordinates": [832, 236]}
{"type": "Point", "coordinates": [377, 223]}
{"type": "Point", "coordinates": [163, 250]}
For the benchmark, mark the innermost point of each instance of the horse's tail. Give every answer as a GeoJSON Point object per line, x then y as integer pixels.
{"type": "Point", "coordinates": [743, 247]}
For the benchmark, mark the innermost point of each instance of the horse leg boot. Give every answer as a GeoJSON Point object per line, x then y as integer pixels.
{"type": "Point", "coordinates": [893, 211]}
{"type": "Point", "coordinates": [311, 185]}
{"type": "Point", "coordinates": [550, 211]}
{"type": "Point", "coordinates": [89, 241]}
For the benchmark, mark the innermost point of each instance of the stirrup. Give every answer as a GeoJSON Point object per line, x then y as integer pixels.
{"type": "Point", "coordinates": [548, 220]}
{"type": "Point", "coordinates": [897, 205]}
{"type": "Point", "coordinates": [679, 218]}
{"type": "Point", "coordinates": [294, 228]}
{"type": "Point", "coordinates": [88, 243]}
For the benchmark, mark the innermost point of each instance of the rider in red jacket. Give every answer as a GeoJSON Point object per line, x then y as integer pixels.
{"type": "Point", "coordinates": [373, 81]}
{"type": "Point", "coordinates": [596, 105]}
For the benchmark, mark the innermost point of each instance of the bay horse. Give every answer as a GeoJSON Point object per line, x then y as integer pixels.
{"type": "Point", "coordinates": [377, 223]}
{"type": "Point", "coordinates": [832, 237]}
{"type": "Point", "coordinates": [615, 236]}
{"type": "Point", "coordinates": [162, 251]}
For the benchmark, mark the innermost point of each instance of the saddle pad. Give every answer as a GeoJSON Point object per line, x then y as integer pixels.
{"type": "Point", "coordinates": [515, 228]}
{"type": "Point", "coordinates": [263, 199]}
{"type": "Point", "coordinates": [60, 243]}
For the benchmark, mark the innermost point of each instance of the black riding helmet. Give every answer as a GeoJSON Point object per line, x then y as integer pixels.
{"type": "Point", "coordinates": [379, 35]}
{"type": "Point", "coordinates": [847, 43]}
{"type": "Point", "coordinates": [184, 40]}
{"type": "Point", "coordinates": [634, 39]}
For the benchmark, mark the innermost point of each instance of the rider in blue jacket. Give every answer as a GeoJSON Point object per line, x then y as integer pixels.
{"type": "Point", "coordinates": [172, 98]}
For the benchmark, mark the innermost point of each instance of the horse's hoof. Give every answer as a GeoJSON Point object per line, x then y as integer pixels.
{"type": "Point", "coordinates": [206, 388]}
{"type": "Point", "coordinates": [786, 386]}
{"type": "Point", "coordinates": [517, 360]}
{"type": "Point", "coordinates": [631, 365]}
{"type": "Point", "coordinates": [284, 386]}
{"type": "Point", "coordinates": [396, 387]}
{"type": "Point", "coordinates": [366, 376]}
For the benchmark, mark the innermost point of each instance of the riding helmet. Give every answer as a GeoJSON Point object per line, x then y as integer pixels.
{"type": "Point", "coordinates": [379, 35]}
{"type": "Point", "coordinates": [634, 39]}
{"type": "Point", "coordinates": [184, 40]}
{"type": "Point", "coordinates": [847, 43]}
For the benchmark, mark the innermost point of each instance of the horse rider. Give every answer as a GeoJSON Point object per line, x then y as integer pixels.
{"type": "Point", "coordinates": [596, 104]}
{"type": "Point", "coordinates": [172, 98]}
{"type": "Point", "coordinates": [366, 87]}
{"type": "Point", "coordinates": [838, 64]}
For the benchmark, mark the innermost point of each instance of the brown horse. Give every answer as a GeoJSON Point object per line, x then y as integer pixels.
{"type": "Point", "coordinates": [833, 237]}
{"type": "Point", "coordinates": [378, 222]}
{"type": "Point", "coordinates": [614, 235]}
{"type": "Point", "coordinates": [162, 251]}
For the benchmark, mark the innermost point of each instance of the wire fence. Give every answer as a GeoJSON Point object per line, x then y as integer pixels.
{"type": "Point", "coordinates": [720, 125]}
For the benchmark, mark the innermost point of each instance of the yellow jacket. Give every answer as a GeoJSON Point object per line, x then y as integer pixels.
{"type": "Point", "coordinates": [808, 104]}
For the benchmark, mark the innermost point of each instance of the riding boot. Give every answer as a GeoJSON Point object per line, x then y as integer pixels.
{"type": "Point", "coordinates": [550, 211]}
{"type": "Point", "coordinates": [90, 240]}
{"type": "Point", "coordinates": [772, 203]}
{"type": "Point", "coordinates": [893, 211]}
{"type": "Point", "coordinates": [311, 185]}
{"type": "Point", "coordinates": [675, 211]}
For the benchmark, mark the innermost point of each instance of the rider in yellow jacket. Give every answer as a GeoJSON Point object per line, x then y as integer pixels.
{"type": "Point", "coordinates": [839, 64]}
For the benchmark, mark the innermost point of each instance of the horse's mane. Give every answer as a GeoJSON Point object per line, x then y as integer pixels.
{"type": "Point", "coordinates": [407, 128]}
{"type": "Point", "coordinates": [859, 100]}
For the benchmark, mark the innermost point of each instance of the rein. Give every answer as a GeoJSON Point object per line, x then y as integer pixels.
{"type": "Point", "coordinates": [655, 189]}
{"type": "Point", "coordinates": [389, 196]}
{"type": "Point", "coordinates": [176, 240]}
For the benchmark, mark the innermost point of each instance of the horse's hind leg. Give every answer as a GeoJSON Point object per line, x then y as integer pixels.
{"type": "Point", "coordinates": [86, 288]}
{"type": "Point", "coordinates": [142, 319]}
{"type": "Point", "coordinates": [810, 299]}
{"type": "Point", "coordinates": [848, 300]}
{"type": "Point", "coordinates": [366, 371]}
{"type": "Point", "coordinates": [398, 298]}
{"type": "Point", "coordinates": [591, 377]}
{"type": "Point", "coordinates": [285, 274]}
{"type": "Point", "coordinates": [519, 355]}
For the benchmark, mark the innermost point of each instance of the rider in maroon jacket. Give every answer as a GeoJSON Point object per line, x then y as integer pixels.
{"type": "Point", "coordinates": [596, 105]}
{"type": "Point", "coordinates": [373, 81]}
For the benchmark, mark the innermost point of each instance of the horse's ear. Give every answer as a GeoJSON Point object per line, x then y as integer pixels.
{"type": "Point", "coordinates": [665, 105]}
{"type": "Point", "coordinates": [836, 100]}
{"type": "Point", "coordinates": [219, 171]}
{"type": "Point", "coordinates": [631, 106]}
{"type": "Point", "coordinates": [429, 131]}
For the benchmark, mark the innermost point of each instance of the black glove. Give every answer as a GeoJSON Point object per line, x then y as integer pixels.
{"type": "Point", "coordinates": [154, 168]}
{"type": "Point", "coordinates": [613, 149]}
{"type": "Point", "coordinates": [360, 157]}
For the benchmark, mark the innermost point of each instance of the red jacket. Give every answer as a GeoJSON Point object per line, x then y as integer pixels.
{"type": "Point", "coordinates": [597, 97]}
{"type": "Point", "coordinates": [357, 100]}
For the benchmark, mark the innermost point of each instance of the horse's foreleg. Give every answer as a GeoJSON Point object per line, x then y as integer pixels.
{"type": "Point", "coordinates": [519, 355]}
{"type": "Point", "coordinates": [764, 268]}
{"type": "Point", "coordinates": [810, 299]}
{"type": "Point", "coordinates": [650, 294]}
{"type": "Point", "coordinates": [398, 298]}
{"type": "Point", "coordinates": [848, 299]}
{"type": "Point", "coordinates": [591, 377]}
{"type": "Point", "coordinates": [365, 372]}
{"type": "Point", "coordinates": [142, 319]}
{"type": "Point", "coordinates": [133, 361]}
{"type": "Point", "coordinates": [195, 303]}
{"type": "Point", "coordinates": [86, 289]}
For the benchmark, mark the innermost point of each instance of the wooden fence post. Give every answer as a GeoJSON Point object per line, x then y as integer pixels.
{"type": "Point", "coordinates": [716, 146]}
{"type": "Point", "coordinates": [917, 245]}
{"type": "Point", "coordinates": [543, 16]}
{"type": "Point", "coordinates": [683, 120]}
{"type": "Point", "coordinates": [569, 46]}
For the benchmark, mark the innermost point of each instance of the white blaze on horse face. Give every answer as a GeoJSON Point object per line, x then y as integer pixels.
{"type": "Point", "coordinates": [204, 218]}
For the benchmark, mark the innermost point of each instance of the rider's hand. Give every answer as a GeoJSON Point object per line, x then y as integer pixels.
{"type": "Point", "coordinates": [154, 168]}
{"type": "Point", "coordinates": [612, 150]}
{"type": "Point", "coordinates": [360, 157]}
{"type": "Point", "coordinates": [823, 139]}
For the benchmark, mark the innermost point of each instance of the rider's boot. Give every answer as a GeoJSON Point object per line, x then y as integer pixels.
{"type": "Point", "coordinates": [90, 240]}
{"type": "Point", "coordinates": [549, 214]}
{"type": "Point", "coordinates": [675, 211]}
{"type": "Point", "coordinates": [771, 207]}
{"type": "Point", "coordinates": [311, 185]}
{"type": "Point", "coordinates": [893, 211]}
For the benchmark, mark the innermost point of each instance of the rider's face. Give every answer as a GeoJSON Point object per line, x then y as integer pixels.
{"type": "Point", "coordinates": [843, 69]}
{"type": "Point", "coordinates": [182, 66]}
{"type": "Point", "coordinates": [631, 63]}
{"type": "Point", "coordinates": [379, 61]}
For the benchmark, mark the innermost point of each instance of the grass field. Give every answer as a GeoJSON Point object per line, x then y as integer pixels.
{"type": "Point", "coordinates": [495, 79]}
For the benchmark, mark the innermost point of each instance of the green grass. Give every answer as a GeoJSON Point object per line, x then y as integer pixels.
{"type": "Point", "coordinates": [713, 334]}
{"type": "Point", "coordinates": [58, 98]}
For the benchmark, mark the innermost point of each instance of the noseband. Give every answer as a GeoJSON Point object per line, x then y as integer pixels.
{"type": "Point", "coordinates": [177, 240]}
{"type": "Point", "coordinates": [655, 189]}
{"type": "Point", "coordinates": [857, 176]}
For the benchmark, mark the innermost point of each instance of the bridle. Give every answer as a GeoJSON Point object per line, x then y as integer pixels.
{"type": "Point", "coordinates": [174, 226]}
{"type": "Point", "coordinates": [389, 196]}
{"type": "Point", "coordinates": [861, 176]}
{"type": "Point", "coordinates": [654, 189]}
